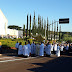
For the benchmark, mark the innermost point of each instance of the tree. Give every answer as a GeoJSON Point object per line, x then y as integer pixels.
{"type": "Point", "coordinates": [47, 29]}
{"type": "Point", "coordinates": [38, 24]}
{"type": "Point", "coordinates": [30, 27]}
{"type": "Point", "coordinates": [14, 27]}
{"type": "Point", "coordinates": [59, 33]}
{"type": "Point", "coordinates": [54, 30]}
{"type": "Point", "coordinates": [23, 30]}
{"type": "Point", "coordinates": [34, 27]}
{"type": "Point", "coordinates": [42, 27]}
{"type": "Point", "coordinates": [27, 27]}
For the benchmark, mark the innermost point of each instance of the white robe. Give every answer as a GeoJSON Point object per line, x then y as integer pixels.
{"type": "Point", "coordinates": [37, 49]}
{"type": "Point", "coordinates": [17, 45]}
{"type": "Point", "coordinates": [67, 48]}
{"type": "Point", "coordinates": [20, 50]}
{"type": "Point", "coordinates": [33, 48]}
{"type": "Point", "coordinates": [55, 47]}
{"type": "Point", "coordinates": [41, 50]}
{"type": "Point", "coordinates": [51, 47]}
{"type": "Point", "coordinates": [45, 48]}
{"type": "Point", "coordinates": [25, 50]}
{"type": "Point", "coordinates": [58, 51]}
{"type": "Point", "coordinates": [48, 50]}
{"type": "Point", "coordinates": [29, 48]}
{"type": "Point", "coordinates": [62, 48]}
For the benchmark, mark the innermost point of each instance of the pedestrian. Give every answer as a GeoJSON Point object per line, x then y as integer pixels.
{"type": "Point", "coordinates": [55, 48]}
{"type": "Point", "coordinates": [61, 49]}
{"type": "Point", "coordinates": [41, 53]}
{"type": "Point", "coordinates": [33, 49]}
{"type": "Point", "coordinates": [37, 49]}
{"type": "Point", "coordinates": [52, 48]}
{"type": "Point", "coordinates": [20, 50]}
{"type": "Point", "coordinates": [58, 51]}
{"type": "Point", "coordinates": [48, 50]}
{"type": "Point", "coordinates": [17, 46]}
{"type": "Point", "coordinates": [25, 51]}
{"type": "Point", "coordinates": [29, 48]}
{"type": "Point", "coordinates": [67, 49]}
{"type": "Point", "coordinates": [45, 48]}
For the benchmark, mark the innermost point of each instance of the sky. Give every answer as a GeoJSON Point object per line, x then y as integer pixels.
{"type": "Point", "coordinates": [16, 11]}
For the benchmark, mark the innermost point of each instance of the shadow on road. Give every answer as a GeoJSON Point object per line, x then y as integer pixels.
{"type": "Point", "coordinates": [59, 64]}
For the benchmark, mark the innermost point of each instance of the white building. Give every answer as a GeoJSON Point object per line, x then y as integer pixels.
{"type": "Point", "coordinates": [3, 24]}
{"type": "Point", "coordinates": [4, 31]}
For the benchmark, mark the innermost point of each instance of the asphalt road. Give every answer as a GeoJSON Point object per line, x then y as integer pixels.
{"type": "Point", "coordinates": [39, 64]}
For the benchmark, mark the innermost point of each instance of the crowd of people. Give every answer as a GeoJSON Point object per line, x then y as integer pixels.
{"type": "Point", "coordinates": [36, 49]}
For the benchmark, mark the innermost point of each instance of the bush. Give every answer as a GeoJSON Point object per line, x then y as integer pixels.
{"type": "Point", "coordinates": [0, 37]}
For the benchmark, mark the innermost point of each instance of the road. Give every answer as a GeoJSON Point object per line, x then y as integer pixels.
{"type": "Point", "coordinates": [37, 64]}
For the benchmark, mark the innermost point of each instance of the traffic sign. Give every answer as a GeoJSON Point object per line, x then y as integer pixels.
{"type": "Point", "coordinates": [65, 20]}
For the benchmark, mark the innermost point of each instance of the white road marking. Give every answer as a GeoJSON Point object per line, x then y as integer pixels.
{"type": "Point", "coordinates": [14, 59]}
{"type": "Point", "coordinates": [5, 57]}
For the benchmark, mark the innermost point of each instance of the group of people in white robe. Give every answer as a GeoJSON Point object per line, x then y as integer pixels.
{"type": "Point", "coordinates": [40, 49]}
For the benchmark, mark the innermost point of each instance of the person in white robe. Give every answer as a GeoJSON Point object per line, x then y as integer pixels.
{"type": "Point", "coordinates": [25, 51]}
{"type": "Point", "coordinates": [37, 49]}
{"type": "Point", "coordinates": [58, 51]}
{"type": "Point", "coordinates": [29, 48]}
{"type": "Point", "coordinates": [52, 48]}
{"type": "Point", "coordinates": [41, 49]}
{"type": "Point", "coordinates": [45, 48]}
{"type": "Point", "coordinates": [20, 50]}
{"type": "Point", "coordinates": [61, 49]}
{"type": "Point", "coordinates": [67, 49]}
{"type": "Point", "coordinates": [33, 49]}
{"type": "Point", "coordinates": [17, 46]}
{"type": "Point", "coordinates": [48, 50]}
{"type": "Point", "coordinates": [55, 48]}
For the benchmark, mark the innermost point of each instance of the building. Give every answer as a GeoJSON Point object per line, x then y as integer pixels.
{"type": "Point", "coordinates": [4, 31]}
{"type": "Point", "coordinates": [3, 24]}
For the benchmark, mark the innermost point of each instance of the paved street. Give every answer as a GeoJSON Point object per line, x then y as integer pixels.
{"type": "Point", "coordinates": [39, 64]}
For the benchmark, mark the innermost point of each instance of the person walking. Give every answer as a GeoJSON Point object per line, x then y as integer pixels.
{"type": "Point", "coordinates": [33, 49]}
{"type": "Point", "coordinates": [48, 50]}
{"type": "Point", "coordinates": [17, 46]}
{"type": "Point", "coordinates": [25, 51]}
{"type": "Point", "coordinates": [29, 48]}
{"type": "Point", "coordinates": [20, 50]}
{"type": "Point", "coordinates": [58, 51]}
{"type": "Point", "coordinates": [37, 49]}
{"type": "Point", "coordinates": [55, 48]}
{"type": "Point", "coordinates": [41, 49]}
